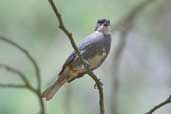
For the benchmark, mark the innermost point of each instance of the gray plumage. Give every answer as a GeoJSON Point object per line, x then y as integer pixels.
{"type": "Point", "coordinates": [94, 49]}
{"type": "Point", "coordinates": [96, 43]}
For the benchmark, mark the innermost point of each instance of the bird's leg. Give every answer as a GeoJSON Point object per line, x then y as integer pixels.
{"type": "Point", "coordinates": [95, 85]}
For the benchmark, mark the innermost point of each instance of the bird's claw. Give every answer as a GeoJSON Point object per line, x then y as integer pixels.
{"type": "Point", "coordinates": [95, 85]}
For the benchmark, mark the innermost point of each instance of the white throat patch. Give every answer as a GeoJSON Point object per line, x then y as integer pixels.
{"type": "Point", "coordinates": [104, 29]}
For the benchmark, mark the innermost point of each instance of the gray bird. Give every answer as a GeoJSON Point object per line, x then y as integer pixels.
{"type": "Point", "coordinates": [94, 49]}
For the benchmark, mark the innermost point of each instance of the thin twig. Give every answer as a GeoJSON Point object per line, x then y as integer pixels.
{"type": "Point", "coordinates": [167, 101]}
{"type": "Point", "coordinates": [91, 74]}
{"type": "Point", "coordinates": [18, 86]}
{"type": "Point", "coordinates": [28, 55]}
{"type": "Point", "coordinates": [12, 86]}
{"type": "Point", "coordinates": [17, 72]}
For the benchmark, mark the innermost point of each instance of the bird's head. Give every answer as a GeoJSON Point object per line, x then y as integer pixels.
{"type": "Point", "coordinates": [103, 25]}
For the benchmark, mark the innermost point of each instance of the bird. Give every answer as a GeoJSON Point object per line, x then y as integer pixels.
{"type": "Point", "coordinates": [94, 49]}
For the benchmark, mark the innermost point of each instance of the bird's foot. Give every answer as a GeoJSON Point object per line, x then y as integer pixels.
{"type": "Point", "coordinates": [101, 84]}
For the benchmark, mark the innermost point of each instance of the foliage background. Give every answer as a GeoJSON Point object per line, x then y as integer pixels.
{"type": "Point", "coordinates": [144, 72]}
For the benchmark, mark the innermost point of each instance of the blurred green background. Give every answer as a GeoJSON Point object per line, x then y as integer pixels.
{"type": "Point", "coordinates": [145, 64]}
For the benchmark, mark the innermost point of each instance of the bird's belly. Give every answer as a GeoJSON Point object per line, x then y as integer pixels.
{"type": "Point", "coordinates": [96, 60]}
{"type": "Point", "coordinates": [77, 69]}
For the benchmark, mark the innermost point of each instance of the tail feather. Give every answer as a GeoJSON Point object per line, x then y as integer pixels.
{"type": "Point", "coordinates": [50, 92]}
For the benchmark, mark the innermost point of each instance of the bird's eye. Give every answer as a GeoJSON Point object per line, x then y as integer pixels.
{"type": "Point", "coordinates": [99, 21]}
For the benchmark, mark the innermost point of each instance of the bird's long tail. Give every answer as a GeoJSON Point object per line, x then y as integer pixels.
{"type": "Point", "coordinates": [50, 92]}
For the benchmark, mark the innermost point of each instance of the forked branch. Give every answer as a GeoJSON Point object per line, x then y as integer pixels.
{"type": "Point", "coordinates": [26, 84]}
{"type": "Point", "coordinates": [28, 55]}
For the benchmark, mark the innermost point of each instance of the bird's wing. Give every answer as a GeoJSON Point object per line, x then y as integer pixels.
{"type": "Point", "coordinates": [89, 42]}
{"type": "Point", "coordinates": [68, 61]}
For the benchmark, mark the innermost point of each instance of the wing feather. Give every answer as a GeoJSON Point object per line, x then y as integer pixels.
{"type": "Point", "coordinates": [86, 45]}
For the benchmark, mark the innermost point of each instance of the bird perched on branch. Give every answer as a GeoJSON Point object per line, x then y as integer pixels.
{"type": "Point", "coordinates": [94, 50]}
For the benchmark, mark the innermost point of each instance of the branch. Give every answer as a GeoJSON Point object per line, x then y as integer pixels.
{"type": "Point", "coordinates": [17, 72]}
{"type": "Point", "coordinates": [167, 101]}
{"type": "Point", "coordinates": [12, 86]}
{"type": "Point", "coordinates": [89, 72]}
{"type": "Point", "coordinates": [28, 55]}
{"type": "Point", "coordinates": [18, 86]}
{"type": "Point", "coordinates": [22, 76]}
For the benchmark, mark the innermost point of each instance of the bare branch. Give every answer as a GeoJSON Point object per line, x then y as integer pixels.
{"type": "Point", "coordinates": [28, 55]}
{"type": "Point", "coordinates": [17, 72]}
{"type": "Point", "coordinates": [36, 92]}
{"type": "Point", "coordinates": [69, 35]}
{"type": "Point", "coordinates": [167, 101]}
{"type": "Point", "coordinates": [12, 86]}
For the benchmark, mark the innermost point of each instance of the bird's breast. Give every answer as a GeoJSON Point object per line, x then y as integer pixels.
{"type": "Point", "coordinates": [97, 59]}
